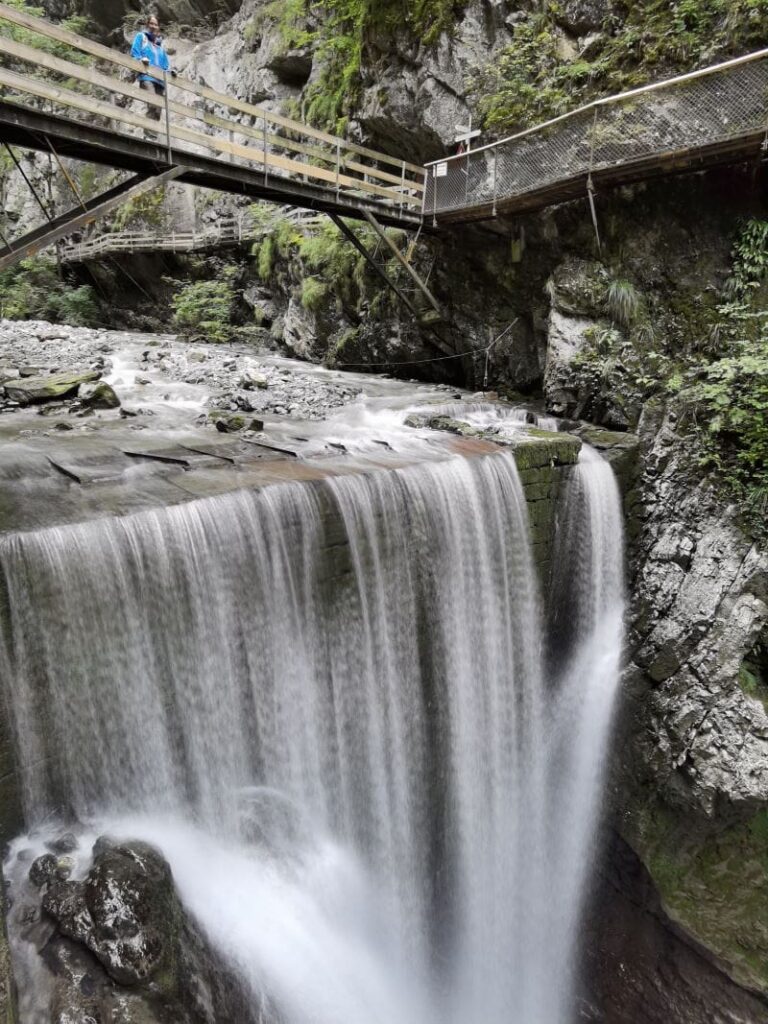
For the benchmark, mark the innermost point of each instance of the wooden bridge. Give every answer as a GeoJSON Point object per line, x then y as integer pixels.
{"type": "Point", "coordinates": [69, 96]}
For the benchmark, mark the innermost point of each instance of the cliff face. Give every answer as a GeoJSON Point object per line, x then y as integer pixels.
{"type": "Point", "coordinates": [610, 335]}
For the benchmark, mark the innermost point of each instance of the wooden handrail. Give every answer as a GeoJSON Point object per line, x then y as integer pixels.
{"type": "Point", "coordinates": [91, 77]}
{"type": "Point", "coordinates": [78, 101]}
{"type": "Point", "coordinates": [61, 35]}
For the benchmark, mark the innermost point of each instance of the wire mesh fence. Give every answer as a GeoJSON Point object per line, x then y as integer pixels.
{"type": "Point", "coordinates": [684, 116]}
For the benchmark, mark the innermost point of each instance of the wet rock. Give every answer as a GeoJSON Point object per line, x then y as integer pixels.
{"type": "Point", "coordinates": [46, 389]}
{"type": "Point", "coordinates": [64, 867]}
{"type": "Point", "coordinates": [66, 843]}
{"type": "Point", "coordinates": [43, 870]}
{"type": "Point", "coordinates": [99, 396]}
{"type": "Point", "coordinates": [251, 380]}
{"type": "Point", "coordinates": [123, 911]}
{"type": "Point", "coordinates": [232, 423]}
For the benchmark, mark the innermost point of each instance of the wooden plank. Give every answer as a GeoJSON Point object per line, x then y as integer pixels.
{"type": "Point", "coordinates": [66, 97]}
{"type": "Point", "coordinates": [62, 35]}
{"type": "Point", "coordinates": [91, 77]}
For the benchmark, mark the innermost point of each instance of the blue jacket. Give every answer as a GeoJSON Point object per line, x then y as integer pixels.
{"type": "Point", "coordinates": [155, 54]}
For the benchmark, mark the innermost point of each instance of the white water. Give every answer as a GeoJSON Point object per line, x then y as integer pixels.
{"type": "Point", "coordinates": [330, 708]}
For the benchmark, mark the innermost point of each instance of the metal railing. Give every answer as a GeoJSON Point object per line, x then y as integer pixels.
{"type": "Point", "coordinates": [669, 122]}
{"type": "Point", "coordinates": [44, 65]}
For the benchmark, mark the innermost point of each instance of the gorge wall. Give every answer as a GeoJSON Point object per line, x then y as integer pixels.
{"type": "Point", "coordinates": [619, 336]}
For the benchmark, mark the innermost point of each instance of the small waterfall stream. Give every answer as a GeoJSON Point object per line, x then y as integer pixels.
{"type": "Point", "coordinates": [335, 710]}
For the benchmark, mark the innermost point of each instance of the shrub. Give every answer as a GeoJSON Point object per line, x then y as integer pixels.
{"type": "Point", "coordinates": [33, 290]}
{"type": "Point", "coordinates": [204, 309]}
{"type": "Point", "coordinates": [623, 302]}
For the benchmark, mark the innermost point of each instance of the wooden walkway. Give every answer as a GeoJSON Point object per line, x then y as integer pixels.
{"type": "Point", "coordinates": [231, 231]}
{"type": "Point", "coordinates": [68, 94]}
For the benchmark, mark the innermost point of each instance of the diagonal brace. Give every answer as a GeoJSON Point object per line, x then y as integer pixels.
{"type": "Point", "coordinates": [80, 216]}
{"type": "Point", "coordinates": [350, 234]}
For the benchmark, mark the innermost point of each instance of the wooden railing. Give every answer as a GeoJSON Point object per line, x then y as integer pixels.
{"type": "Point", "coordinates": [84, 86]}
{"type": "Point", "coordinates": [230, 231]}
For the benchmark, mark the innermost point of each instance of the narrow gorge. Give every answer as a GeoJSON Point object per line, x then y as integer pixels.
{"type": "Point", "coordinates": [384, 590]}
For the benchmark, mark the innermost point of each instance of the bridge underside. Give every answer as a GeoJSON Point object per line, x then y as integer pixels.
{"type": "Point", "coordinates": [743, 148]}
{"type": "Point", "coordinates": [34, 129]}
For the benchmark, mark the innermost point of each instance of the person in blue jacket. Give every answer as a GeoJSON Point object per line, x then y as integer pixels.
{"type": "Point", "coordinates": [148, 48]}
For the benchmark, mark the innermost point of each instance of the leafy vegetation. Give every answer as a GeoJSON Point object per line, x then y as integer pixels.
{"type": "Point", "coordinates": [331, 269]}
{"type": "Point", "coordinates": [33, 290]}
{"type": "Point", "coordinates": [146, 210]}
{"type": "Point", "coordinates": [728, 397]}
{"type": "Point", "coordinates": [623, 302]}
{"type": "Point", "coordinates": [538, 77]}
{"type": "Point", "coordinates": [77, 24]}
{"type": "Point", "coordinates": [204, 309]}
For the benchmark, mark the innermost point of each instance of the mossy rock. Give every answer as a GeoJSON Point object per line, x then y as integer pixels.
{"type": "Point", "coordinates": [45, 389]}
{"type": "Point", "coordinates": [712, 883]}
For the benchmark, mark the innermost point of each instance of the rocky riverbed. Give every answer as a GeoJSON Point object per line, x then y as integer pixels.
{"type": "Point", "coordinates": [44, 368]}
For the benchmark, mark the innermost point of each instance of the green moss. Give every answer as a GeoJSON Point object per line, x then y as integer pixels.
{"type": "Point", "coordinates": [714, 885]}
{"type": "Point", "coordinates": [640, 42]}
{"type": "Point", "coordinates": [314, 294]}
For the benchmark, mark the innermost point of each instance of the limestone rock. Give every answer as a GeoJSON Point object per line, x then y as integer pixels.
{"type": "Point", "coordinates": [99, 396]}
{"type": "Point", "coordinates": [568, 337]}
{"type": "Point", "coordinates": [46, 389]}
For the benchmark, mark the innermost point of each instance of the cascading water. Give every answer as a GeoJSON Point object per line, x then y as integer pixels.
{"type": "Point", "coordinates": [329, 706]}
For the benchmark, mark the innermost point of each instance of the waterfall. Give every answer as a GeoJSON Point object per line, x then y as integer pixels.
{"type": "Point", "coordinates": [333, 707]}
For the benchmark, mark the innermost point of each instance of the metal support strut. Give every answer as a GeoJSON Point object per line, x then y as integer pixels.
{"type": "Point", "coordinates": [352, 237]}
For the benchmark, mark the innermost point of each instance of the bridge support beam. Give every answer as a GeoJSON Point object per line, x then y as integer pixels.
{"type": "Point", "coordinates": [82, 215]}
{"type": "Point", "coordinates": [418, 315]}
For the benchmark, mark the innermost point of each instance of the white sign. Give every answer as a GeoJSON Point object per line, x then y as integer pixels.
{"type": "Point", "coordinates": [441, 170]}
{"type": "Point", "coordinates": [469, 134]}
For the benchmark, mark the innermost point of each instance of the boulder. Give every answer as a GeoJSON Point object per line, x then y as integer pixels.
{"type": "Point", "coordinates": [43, 870]}
{"type": "Point", "coordinates": [123, 912]}
{"type": "Point", "coordinates": [66, 843]}
{"type": "Point", "coordinates": [99, 396]}
{"type": "Point", "coordinates": [46, 389]}
{"type": "Point", "coordinates": [582, 16]}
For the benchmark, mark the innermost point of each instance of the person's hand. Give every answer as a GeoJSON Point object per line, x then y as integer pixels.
{"type": "Point", "coordinates": [174, 72]}
{"type": "Point", "coordinates": [145, 61]}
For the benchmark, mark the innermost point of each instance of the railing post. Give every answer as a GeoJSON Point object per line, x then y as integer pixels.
{"type": "Point", "coordinates": [167, 118]}
{"type": "Point", "coordinates": [434, 195]}
{"type": "Point", "coordinates": [402, 190]}
{"type": "Point", "coordinates": [495, 175]}
{"type": "Point", "coordinates": [338, 170]}
{"type": "Point", "coordinates": [590, 186]}
{"type": "Point", "coordinates": [264, 137]}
